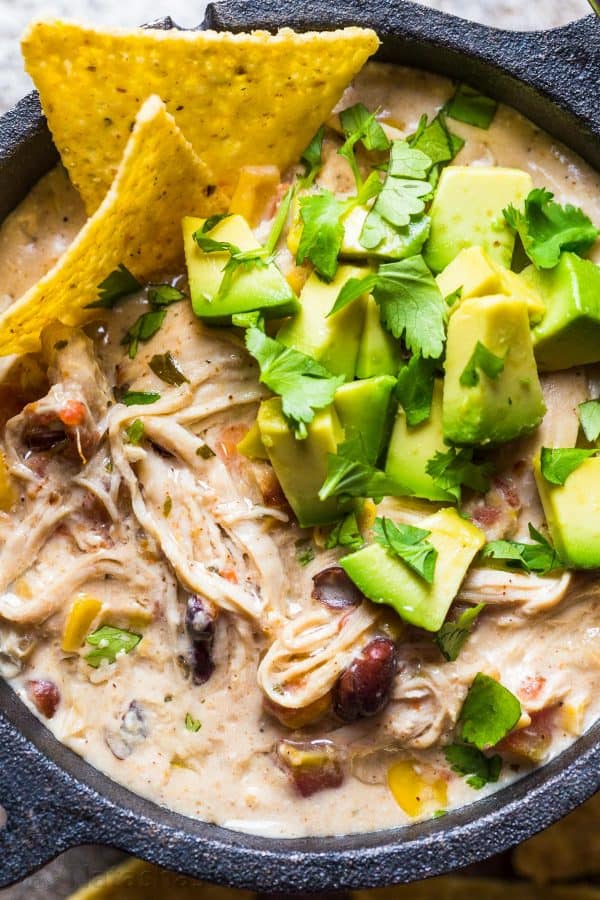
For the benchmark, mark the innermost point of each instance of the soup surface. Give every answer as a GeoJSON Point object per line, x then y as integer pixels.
{"type": "Point", "coordinates": [147, 519]}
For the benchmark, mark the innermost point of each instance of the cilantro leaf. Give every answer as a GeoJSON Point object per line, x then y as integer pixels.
{"type": "Point", "coordinates": [455, 468]}
{"type": "Point", "coordinates": [213, 221]}
{"type": "Point", "coordinates": [557, 464]}
{"type": "Point", "coordinates": [360, 126]}
{"type": "Point", "coordinates": [345, 533]}
{"type": "Point", "coordinates": [489, 712]}
{"type": "Point", "coordinates": [110, 642]}
{"type": "Point", "coordinates": [139, 398]}
{"type": "Point", "coordinates": [539, 556]}
{"type": "Point", "coordinates": [322, 232]}
{"type": "Point", "coordinates": [167, 368]}
{"type": "Point", "coordinates": [312, 158]}
{"type": "Point", "coordinates": [414, 389]}
{"type": "Point", "coordinates": [192, 724]}
{"type": "Point", "coordinates": [135, 431]}
{"type": "Point", "coordinates": [452, 635]}
{"type": "Point", "coordinates": [352, 290]}
{"type": "Point", "coordinates": [484, 360]}
{"type": "Point", "coordinates": [546, 228]}
{"type": "Point", "coordinates": [144, 328]}
{"type": "Point", "coordinates": [437, 142]}
{"type": "Point", "coordinates": [471, 761]}
{"type": "Point", "coordinates": [164, 295]}
{"type": "Point", "coordinates": [302, 383]}
{"type": "Point", "coordinates": [409, 544]}
{"type": "Point", "coordinates": [349, 474]}
{"type": "Point", "coordinates": [238, 259]}
{"type": "Point", "coordinates": [411, 305]}
{"type": "Point", "coordinates": [279, 221]}
{"type": "Point", "coordinates": [589, 418]}
{"type": "Point", "coordinates": [468, 105]}
{"type": "Point", "coordinates": [120, 283]}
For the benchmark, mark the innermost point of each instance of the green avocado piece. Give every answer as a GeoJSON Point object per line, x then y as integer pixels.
{"type": "Point", "coordinates": [379, 353]}
{"type": "Point", "coordinates": [385, 578]}
{"type": "Point", "coordinates": [397, 243]}
{"type": "Point", "coordinates": [497, 409]}
{"type": "Point", "coordinates": [572, 512]}
{"type": "Point", "coordinates": [251, 444]}
{"type": "Point", "coordinates": [252, 288]}
{"type": "Point", "coordinates": [301, 466]}
{"type": "Point", "coordinates": [365, 409]}
{"type": "Point", "coordinates": [569, 333]}
{"type": "Point", "coordinates": [467, 211]}
{"type": "Point", "coordinates": [410, 449]}
{"type": "Point", "coordinates": [331, 341]}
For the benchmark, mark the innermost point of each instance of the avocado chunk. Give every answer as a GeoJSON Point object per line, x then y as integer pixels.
{"type": "Point", "coordinates": [301, 466]}
{"type": "Point", "coordinates": [251, 444]}
{"type": "Point", "coordinates": [379, 353]}
{"type": "Point", "coordinates": [332, 341]}
{"type": "Point", "coordinates": [252, 288]}
{"type": "Point", "coordinates": [398, 243]}
{"type": "Point", "coordinates": [385, 578]}
{"type": "Point", "coordinates": [569, 333]}
{"type": "Point", "coordinates": [492, 410]}
{"type": "Point", "coordinates": [467, 211]}
{"type": "Point", "coordinates": [477, 275]}
{"type": "Point", "coordinates": [365, 409]}
{"type": "Point", "coordinates": [572, 512]}
{"type": "Point", "coordinates": [410, 450]}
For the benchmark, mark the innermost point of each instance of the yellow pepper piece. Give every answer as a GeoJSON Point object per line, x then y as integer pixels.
{"type": "Point", "coordinates": [81, 615]}
{"type": "Point", "coordinates": [296, 278]}
{"type": "Point", "coordinates": [414, 793]}
{"type": "Point", "coordinates": [256, 186]}
{"type": "Point", "coordinates": [8, 493]}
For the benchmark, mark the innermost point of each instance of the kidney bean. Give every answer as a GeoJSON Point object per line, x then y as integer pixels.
{"type": "Point", "coordinates": [45, 696]}
{"type": "Point", "coordinates": [39, 438]}
{"type": "Point", "coordinates": [334, 589]}
{"type": "Point", "coordinates": [200, 624]}
{"type": "Point", "coordinates": [311, 765]}
{"type": "Point", "coordinates": [364, 688]}
{"type": "Point", "coordinates": [132, 732]}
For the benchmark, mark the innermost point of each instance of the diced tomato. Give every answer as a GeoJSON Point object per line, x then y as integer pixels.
{"type": "Point", "coordinates": [72, 413]}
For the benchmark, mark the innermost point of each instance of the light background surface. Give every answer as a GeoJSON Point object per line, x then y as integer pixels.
{"type": "Point", "coordinates": [57, 880]}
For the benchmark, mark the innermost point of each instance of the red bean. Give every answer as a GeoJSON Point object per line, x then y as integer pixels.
{"type": "Point", "coordinates": [44, 695]}
{"type": "Point", "coordinates": [364, 688]}
{"type": "Point", "coordinates": [312, 765]}
{"type": "Point", "coordinates": [334, 589]}
{"type": "Point", "coordinates": [200, 623]}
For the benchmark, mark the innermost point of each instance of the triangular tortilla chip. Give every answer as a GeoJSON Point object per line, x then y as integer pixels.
{"type": "Point", "coordinates": [160, 179]}
{"type": "Point", "coordinates": [240, 99]}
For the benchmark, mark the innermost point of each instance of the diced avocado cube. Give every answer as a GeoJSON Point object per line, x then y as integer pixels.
{"type": "Point", "coordinates": [384, 578]}
{"type": "Point", "coordinates": [493, 410]}
{"type": "Point", "coordinates": [252, 288]}
{"type": "Point", "coordinates": [398, 243]}
{"type": "Point", "coordinates": [333, 341]}
{"type": "Point", "coordinates": [572, 512]}
{"type": "Point", "coordinates": [410, 449]}
{"type": "Point", "coordinates": [476, 273]}
{"type": "Point", "coordinates": [365, 409]}
{"type": "Point", "coordinates": [301, 466]}
{"type": "Point", "coordinates": [569, 333]}
{"type": "Point", "coordinates": [467, 211]}
{"type": "Point", "coordinates": [251, 444]}
{"type": "Point", "coordinates": [379, 353]}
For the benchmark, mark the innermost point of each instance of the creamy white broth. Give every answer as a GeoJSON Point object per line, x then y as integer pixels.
{"type": "Point", "coordinates": [538, 636]}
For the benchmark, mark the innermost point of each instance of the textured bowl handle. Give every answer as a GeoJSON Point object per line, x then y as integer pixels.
{"type": "Point", "coordinates": [534, 71]}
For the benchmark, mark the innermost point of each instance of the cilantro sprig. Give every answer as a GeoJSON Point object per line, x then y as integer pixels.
{"type": "Point", "coordinates": [557, 463]}
{"type": "Point", "coordinates": [312, 158]}
{"type": "Point", "coordinates": [345, 533]}
{"type": "Point", "coordinates": [453, 469]}
{"type": "Point", "coordinates": [437, 141]}
{"type": "Point", "coordinates": [409, 544]}
{"type": "Point", "coordinates": [546, 228]}
{"type": "Point", "coordinates": [539, 556]}
{"type": "Point", "coordinates": [481, 360]}
{"type": "Point", "coordinates": [360, 126]}
{"type": "Point", "coordinates": [468, 105]}
{"type": "Point", "coordinates": [414, 388]}
{"type": "Point", "coordinates": [109, 643]}
{"type": "Point", "coordinates": [489, 713]}
{"type": "Point", "coordinates": [470, 761]}
{"type": "Point", "coordinates": [453, 634]}
{"type": "Point", "coordinates": [350, 474]}
{"type": "Point", "coordinates": [120, 283]}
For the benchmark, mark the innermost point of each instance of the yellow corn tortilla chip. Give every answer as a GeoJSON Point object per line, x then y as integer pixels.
{"type": "Point", "coordinates": [455, 888]}
{"type": "Point", "coordinates": [160, 179]}
{"type": "Point", "coordinates": [240, 99]}
{"type": "Point", "coordinates": [569, 849]}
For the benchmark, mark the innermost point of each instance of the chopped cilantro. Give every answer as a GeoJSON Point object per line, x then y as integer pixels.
{"type": "Point", "coordinates": [439, 813]}
{"type": "Point", "coordinates": [557, 464]}
{"type": "Point", "coordinates": [483, 360]}
{"type": "Point", "coordinates": [489, 713]}
{"type": "Point", "coordinates": [414, 389]}
{"type": "Point", "coordinates": [312, 158]}
{"type": "Point", "coordinates": [349, 474]}
{"type": "Point", "coordinates": [109, 642]}
{"type": "Point", "coordinates": [304, 552]}
{"type": "Point", "coordinates": [546, 228]}
{"type": "Point", "coordinates": [253, 319]}
{"type": "Point", "coordinates": [345, 533]}
{"type": "Point", "coordinates": [167, 368]}
{"type": "Point", "coordinates": [205, 452]}
{"type": "Point", "coordinates": [302, 383]}
{"type": "Point", "coordinates": [455, 468]}
{"type": "Point", "coordinates": [539, 556]}
{"type": "Point", "coordinates": [409, 544]}
{"type": "Point", "coordinates": [213, 221]}
{"type": "Point", "coordinates": [471, 761]}
{"type": "Point", "coordinates": [452, 635]}
{"type": "Point", "coordinates": [454, 297]}
{"type": "Point", "coordinates": [139, 398]}
{"type": "Point", "coordinates": [238, 259]}
{"type": "Point", "coordinates": [167, 506]}
{"type": "Point", "coordinates": [144, 328]}
{"type": "Point", "coordinates": [192, 724]}
{"type": "Point", "coordinates": [589, 418]}
{"type": "Point", "coordinates": [164, 294]}
{"type": "Point", "coordinates": [135, 431]}
{"type": "Point", "coordinates": [468, 105]}
{"type": "Point", "coordinates": [120, 283]}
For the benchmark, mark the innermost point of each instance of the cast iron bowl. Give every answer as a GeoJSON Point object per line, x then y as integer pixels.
{"type": "Point", "coordinates": [54, 800]}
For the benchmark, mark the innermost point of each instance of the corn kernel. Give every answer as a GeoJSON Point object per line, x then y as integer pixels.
{"type": "Point", "coordinates": [413, 792]}
{"type": "Point", "coordinates": [8, 492]}
{"type": "Point", "coordinates": [572, 717]}
{"type": "Point", "coordinates": [81, 615]}
{"type": "Point", "coordinates": [296, 277]}
{"type": "Point", "coordinates": [256, 186]}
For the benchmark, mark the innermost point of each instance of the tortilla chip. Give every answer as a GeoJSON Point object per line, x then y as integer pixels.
{"type": "Point", "coordinates": [451, 888]}
{"type": "Point", "coordinates": [240, 99]}
{"type": "Point", "coordinates": [569, 849]}
{"type": "Point", "coordinates": [160, 179]}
